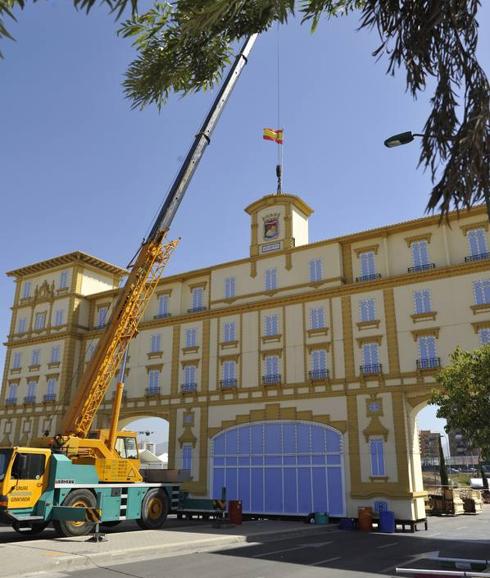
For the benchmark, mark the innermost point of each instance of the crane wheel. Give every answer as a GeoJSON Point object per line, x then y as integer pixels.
{"type": "Point", "coordinates": [29, 529]}
{"type": "Point", "coordinates": [76, 499]}
{"type": "Point", "coordinates": [154, 510]}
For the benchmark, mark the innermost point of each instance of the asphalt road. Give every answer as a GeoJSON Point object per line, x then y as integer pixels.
{"type": "Point", "coordinates": [334, 553]}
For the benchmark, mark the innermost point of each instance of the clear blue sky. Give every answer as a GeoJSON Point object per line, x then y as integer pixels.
{"type": "Point", "coordinates": [80, 170]}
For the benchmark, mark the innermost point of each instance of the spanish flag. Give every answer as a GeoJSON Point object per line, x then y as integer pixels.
{"type": "Point", "coordinates": [274, 135]}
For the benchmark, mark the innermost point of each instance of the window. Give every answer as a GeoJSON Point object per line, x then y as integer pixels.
{"type": "Point", "coordinates": [367, 309]}
{"type": "Point", "coordinates": [190, 375]}
{"type": "Point", "coordinates": [370, 358]}
{"type": "Point", "coordinates": [40, 320]}
{"type": "Point", "coordinates": [16, 360]}
{"type": "Point", "coordinates": [30, 469]}
{"type": "Point", "coordinates": [59, 317]}
{"type": "Point", "coordinates": [51, 390]}
{"type": "Point", "coordinates": [484, 336]}
{"type": "Point", "coordinates": [197, 298]}
{"type": "Point", "coordinates": [163, 305]}
{"type": "Point", "coordinates": [229, 372]}
{"type": "Point", "coordinates": [155, 343]}
{"type": "Point", "coordinates": [190, 337]}
{"type": "Point", "coordinates": [477, 242]}
{"type": "Point", "coordinates": [420, 254]}
{"type": "Point", "coordinates": [317, 318]}
{"type": "Point", "coordinates": [271, 365]}
{"type": "Point", "coordinates": [31, 390]}
{"type": "Point", "coordinates": [12, 392]}
{"type": "Point", "coordinates": [187, 457]}
{"type": "Point", "coordinates": [316, 270]}
{"type": "Point", "coordinates": [367, 264]}
{"type": "Point", "coordinates": [26, 290]}
{"type": "Point", "coordinates": [64, 280]}
{"type": "Point", "coordinates": [55, 354]}
{"type": "Point", "coordinates": [271, 325]}
{"type": "Point", "coordinates": [153, 380]}
{"type": "Point", "coordinates": [101, 317]}
{"type": "Point", "coordinates": [427, 348]}
{"type": "Point", "coordinates": [318, 364]}
{"type": "Point", "coordinates": [270, 279]}
{"type": "Point", "coordinates": [126, 448]}
{"type": "Point", "coordinates": [230, 287]}
{"type": "Point", "coordinates": [229, 331]}
{"type": "Point", "coordinates": [36, 357]}
{"type": "Point", "coordinates": [481, 290]}
{"type": "Point", "coordinates": [422, 300]}
{"type": "Point", "coordinates": [22, 325]}
{"type": "Point", "coordinates": [377, 457]}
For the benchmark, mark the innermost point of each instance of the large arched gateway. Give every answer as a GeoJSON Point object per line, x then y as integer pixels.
{"type": "Point", "coordinates": [280, 467]}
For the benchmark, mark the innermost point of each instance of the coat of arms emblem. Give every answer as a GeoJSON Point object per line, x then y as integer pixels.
{"type": "Point", "coordinates": [271, 227]}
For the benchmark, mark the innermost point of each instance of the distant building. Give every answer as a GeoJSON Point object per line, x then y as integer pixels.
{"type": "Point", "coordinates": [459, 446]}
{"type": "Point", "coordinates": [429, 446]}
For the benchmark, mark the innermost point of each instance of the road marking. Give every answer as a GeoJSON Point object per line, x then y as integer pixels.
{"type": "Point", "coordinates": [411, 560]}
{"type": "Point", "coordinates": [325, 561]}
{"type": "Point", "coordinates": [387, 545]}
{"type": "Point", "coordinates": [300, 547]}
{"type": "Point", "coordinates": [460, 527]}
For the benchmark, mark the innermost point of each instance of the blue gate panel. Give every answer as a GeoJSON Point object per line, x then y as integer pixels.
{"type": "Point", "coordinates": [280, 467]}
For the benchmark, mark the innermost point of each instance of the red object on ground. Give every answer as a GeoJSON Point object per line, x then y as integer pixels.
{"type": "Point", "coordinates": [235, 511]}
{"type": "Point", "coordinates": [365, 519]}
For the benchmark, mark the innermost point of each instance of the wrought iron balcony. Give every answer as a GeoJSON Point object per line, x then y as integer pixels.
{"type": "Point", "coordinates": [371, 369]}
{"type": "Point", "coordinates": [196, 309]}
{"type": "Point", "coordinates": [318, 374]}
{"type": "Point", "coordinates": [424, 267]}
{"type": "Point", "coordinates": [477, 257]}
{"type": "Point", "coordinates": [162, 315]}
{"type": "Point", "coordinates": [152, 391]}
{"type": "Point", "coordinates": [228, 383]}
{"type": "Point", "coordinates": [188, 387]}
{"type": "Point", "coordinates": [370, 277]}
{"type": "Point", "coordinates": [49, 397]}
{"type": "Point", "coordinates": [11, 401]}
{"type": "Point", "coordinates": [429, 363]}
{"type": "Point", "coordinates": [30, 399]}
{"type": "Point", "coordinates": [271, 379]}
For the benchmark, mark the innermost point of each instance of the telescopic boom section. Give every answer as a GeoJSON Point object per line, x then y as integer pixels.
{"type": "Point", "coordinates": [144, 276]}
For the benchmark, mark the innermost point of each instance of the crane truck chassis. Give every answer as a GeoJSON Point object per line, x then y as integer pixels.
{"type": "Point", "coordinates": [79, 477]}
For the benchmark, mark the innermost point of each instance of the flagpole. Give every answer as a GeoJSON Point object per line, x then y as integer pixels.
{"type": "Point", "coordinates": [279, 144]}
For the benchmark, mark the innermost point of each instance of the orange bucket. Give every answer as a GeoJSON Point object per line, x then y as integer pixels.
{"type": "Point", "coordinates": [365, 519]}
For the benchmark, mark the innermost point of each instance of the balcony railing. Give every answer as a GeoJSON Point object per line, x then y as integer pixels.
{"type": "Point", "coordinates": [424, 267]}
{"type": "Point", "coordinates": [318, 374]}
{"type": "Point", "coordinates": [49, 397]}
{"type": "Point", "coordinates": [152, 391]}
{"type": "Point", "coordinates": [162, 315]}
{"type": "Point", "coordinates": [11, 401]}
{"type": "Point", "coordinates": [271, 379]}
{"type": "Point", "coordinates": [30, 399]}
{"type": "Point", "coordinates": [196, 309]}
{"type": "Point", "coordinates": [477, 257]}
{"type": "Point", "coordinates": [371, 369]}
{"type": "Point", "coordinates": [188, 387]}
{"type": "Point", "coordinates": [228, 383]}
{"type": "Point", "coordinates": [370, 277]}
{"type": "Point", "coordinates": [429, 363]}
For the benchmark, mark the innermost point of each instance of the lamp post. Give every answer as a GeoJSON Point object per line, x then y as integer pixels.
{"type": "Point", "coordinates": [404, 138]}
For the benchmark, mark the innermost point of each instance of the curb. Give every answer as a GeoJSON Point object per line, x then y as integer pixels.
{"type": "Point", "coordinates": [74, 562]}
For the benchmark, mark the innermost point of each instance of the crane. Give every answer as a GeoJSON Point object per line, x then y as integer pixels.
{"type": "Point", "coordinates": [77, 467]}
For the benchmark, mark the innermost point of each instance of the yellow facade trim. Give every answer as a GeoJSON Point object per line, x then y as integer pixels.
{"type": "Point", "coordinates": [154, 367]}
{"type": "Point", "coordinates": [228, 344]}
{"type": "Point", "coordinates": [348, 336]}
{"type": "Point", "coordinates": [269, 352]}
{"type": "Point", "coordinates": [369, 339]}
{"type": "Point", "coordinates": [480, 325]}
{"type": "Point", "coordinates": [472, 226]}
{"type": "Point", "coordinates": [271, 338]}
{"type": "Point", "coordinates": [198, 285]}
{"type": "Point", "coordinates": [229, 357]}
{"type": "Point", "coordinates": [316, 346]}
{"type": "Point", "coordinates": [428, 315]}
{"type": "Point", "coordinates": [155, 355]}
{"type": "Point", "coordinates": [190, 349]}
{"type": "Point", "coordinates": [415, 238]}
{"type": "Point", "coordinates": [430, 331]}
{"type": "Point", "coordinates": [374, 324]}
{"type": "Point", "coordinates": [317, 331]}
{"type": "Point", "coordinates": [481, 308]}
{"type": "Point", "coordinates": [162, 292]}
{"type": "Point", "coordinates": [367, 249]}
{"type": "Point", "coordinates": [187, 362]}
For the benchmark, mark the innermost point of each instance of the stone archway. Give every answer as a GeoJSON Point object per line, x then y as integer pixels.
{"type": "Point", "coordinates": [153, 431]}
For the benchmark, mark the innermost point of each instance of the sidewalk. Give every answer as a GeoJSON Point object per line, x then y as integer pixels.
{"type": "Point", "coordinates": [55, 555]}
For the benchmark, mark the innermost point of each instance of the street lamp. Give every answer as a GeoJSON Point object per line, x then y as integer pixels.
{"type": "Point", "coordinates": [404, 138]}
{"type": "Point", "coordinates": [400, 139]}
